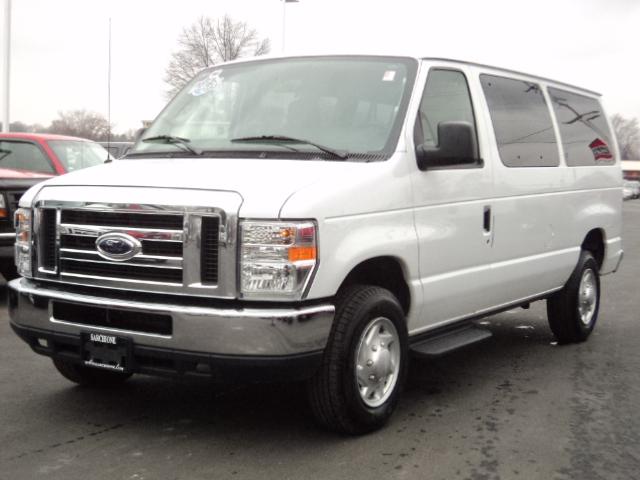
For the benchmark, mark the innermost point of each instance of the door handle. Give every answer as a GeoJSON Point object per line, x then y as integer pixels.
{"type": "Point", "coordinates": [486, 219]}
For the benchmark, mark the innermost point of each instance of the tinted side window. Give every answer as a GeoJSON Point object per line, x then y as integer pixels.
{"type": "Point", "coordinates": [446, 98]}
{"type": "Point", "coordinates": [521, 121]}
{"type": "Point", "coordinates": [584, 130]}
{"type": "Point", "coordinates": [24, 156]}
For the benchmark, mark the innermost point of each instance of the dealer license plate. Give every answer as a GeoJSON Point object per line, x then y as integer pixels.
{"type": "Point", "coordinates": [108, 352]}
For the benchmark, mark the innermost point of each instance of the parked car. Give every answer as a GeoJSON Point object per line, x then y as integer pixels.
{"type": "Point", "coordinates": [322, 218]}
{"type": "Point", "coordinates": [26, 159]}
{"type": "Point", "coordinates": [49, 153]}
{"type": "Point", "coordinates": [630, 189]}
{"type": "Point", "coordinates": [117, 149]}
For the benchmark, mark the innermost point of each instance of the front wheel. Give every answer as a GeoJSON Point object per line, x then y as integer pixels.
{"type": "Point", "coordinates": [573, 311]}
{"type": "Point", "coordinates": [365, 362]}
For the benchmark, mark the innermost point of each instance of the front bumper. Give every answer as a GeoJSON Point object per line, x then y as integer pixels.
{"type": "Point", "coordinates": [222, 342]}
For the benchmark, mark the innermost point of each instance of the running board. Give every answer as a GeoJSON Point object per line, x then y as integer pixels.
{"type": "Point", "coordinates": [448, 341]}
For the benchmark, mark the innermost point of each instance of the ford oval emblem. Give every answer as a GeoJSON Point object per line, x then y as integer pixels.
{"type": "Point", "coordinates": [118, 246]}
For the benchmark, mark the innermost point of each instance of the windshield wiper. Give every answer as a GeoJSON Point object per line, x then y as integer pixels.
{"type": "Point", "coordinates": [284, 138]}
{"type": "Point", "coordinates": [177, 141]}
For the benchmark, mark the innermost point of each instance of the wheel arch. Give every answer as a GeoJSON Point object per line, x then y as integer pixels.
{"type": "Point", "coordinates": [383, 271]}
{"type": "Point", "coordinates": [595, 242]}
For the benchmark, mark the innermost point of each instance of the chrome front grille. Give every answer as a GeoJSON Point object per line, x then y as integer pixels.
{"type": "Point", "coordinates": [48, 244]}
{"type": "Point", "coordinates": [209, 250]}
{"type": "Point", "coordinates": [180, 249]}
{"type": "Point", "coordinates": [71, 265]}
{"type": "Point", "coordinates": [160, 221]}
{"type": "Point", "coordinates": [161, 235]}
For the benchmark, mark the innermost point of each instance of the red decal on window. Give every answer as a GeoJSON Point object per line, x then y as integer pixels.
{"type": "Point", "coordinates": [600, 150]}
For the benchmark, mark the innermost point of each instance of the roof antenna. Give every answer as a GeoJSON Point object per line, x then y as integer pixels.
{"type": "Point", "coordinates": [108, 160]}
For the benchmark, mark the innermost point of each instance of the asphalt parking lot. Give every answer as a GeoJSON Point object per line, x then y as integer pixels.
{"type": "Point", "coordinates": [515, 406]}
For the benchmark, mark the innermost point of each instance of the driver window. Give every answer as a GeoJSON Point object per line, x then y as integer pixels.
{"type": "Point", "coordinates": [446, 98]}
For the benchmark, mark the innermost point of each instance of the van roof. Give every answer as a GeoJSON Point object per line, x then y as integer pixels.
{"type": "Point", "coordinates": [391, 54]}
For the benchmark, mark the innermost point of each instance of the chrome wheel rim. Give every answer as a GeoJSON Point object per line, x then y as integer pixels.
{"type": "Point", "coordinates": [377, 361]}
{"type": "Point", "coordinates": [587, 296]}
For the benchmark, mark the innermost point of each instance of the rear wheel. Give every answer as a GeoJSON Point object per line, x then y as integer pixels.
{"type": "Point", "coordinates": [573, 311]}
{"type": "Point", "coordinates": [88, 376]}
{"type": "Point", "coordinates": [365, 362]}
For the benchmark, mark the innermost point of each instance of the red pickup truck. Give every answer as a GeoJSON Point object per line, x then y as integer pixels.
{"type": "Point", "coordinates": [30, 158]}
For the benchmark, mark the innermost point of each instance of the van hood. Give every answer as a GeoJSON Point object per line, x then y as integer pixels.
{"type": "Point", "coordinates": [264, 185]}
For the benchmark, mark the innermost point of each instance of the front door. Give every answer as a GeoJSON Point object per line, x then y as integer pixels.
{"type": "Point", "coordinates": [453, 215]}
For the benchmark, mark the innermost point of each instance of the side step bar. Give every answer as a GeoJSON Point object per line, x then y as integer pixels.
{"type": "Point", "coordinates": [449, 340]}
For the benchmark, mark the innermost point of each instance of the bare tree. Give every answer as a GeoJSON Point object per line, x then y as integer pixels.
{"type": "Point", "coordinates": [22, 127]}
{"type": "Point", "coordinates": [81, 123]}
{"type": "Point", "coordinates": [628, 135]}
{"type": "Point", "coordinates": [207, 42]}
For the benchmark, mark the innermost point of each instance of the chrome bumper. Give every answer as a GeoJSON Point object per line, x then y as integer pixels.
{"type": "Point", "coordinates": [225, 331]}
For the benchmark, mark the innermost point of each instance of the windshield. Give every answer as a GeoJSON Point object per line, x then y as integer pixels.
{"type": "Point", "coordinates": [77, 154]}
{"type": "Point", "coordinates": [349, 104]}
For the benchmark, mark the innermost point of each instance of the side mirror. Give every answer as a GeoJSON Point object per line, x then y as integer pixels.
{"type": "Point", "coordinates": [457, 145]}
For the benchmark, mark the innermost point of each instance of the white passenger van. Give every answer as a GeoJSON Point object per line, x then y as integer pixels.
{"type": "Point", "coordinates": [322, 218]}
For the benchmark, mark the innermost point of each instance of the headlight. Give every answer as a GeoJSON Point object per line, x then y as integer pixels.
{"type": "Point", "coordinates": [276, 258]}
{"type": "Point", "coordinates": [23, 241]}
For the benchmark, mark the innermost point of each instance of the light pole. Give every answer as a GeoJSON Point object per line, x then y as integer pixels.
{"type": "Point", "coordinates": [284, 17]}
{"type": "Point", "coordinates": [6, 64]}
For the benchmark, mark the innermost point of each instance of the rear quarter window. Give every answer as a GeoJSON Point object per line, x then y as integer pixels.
{"type": "Point", "coordinates": [584, 131]}
{"type": "Point", "coordinates": [521, 121]}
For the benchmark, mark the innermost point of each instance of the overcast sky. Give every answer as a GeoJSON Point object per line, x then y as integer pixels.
{"type": "Point", "coordinates": [60, 47]}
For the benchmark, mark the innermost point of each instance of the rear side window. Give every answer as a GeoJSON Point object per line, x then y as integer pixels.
{"type": "Point", "coordinates": [586, 138]}
{"type": "Point", "coordinates": [23, 156]}
{"type": "Point", "coordinates": [521, 121]}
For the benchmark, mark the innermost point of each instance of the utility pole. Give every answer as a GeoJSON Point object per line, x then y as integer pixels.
{"type": "Point", "coordinates": [109, 90]}
{"type": "Point", "coordinates": [6, 66]}
{"type": "Point", "coordinates": [284, 19]}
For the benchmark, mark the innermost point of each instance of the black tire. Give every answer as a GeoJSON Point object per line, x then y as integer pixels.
{"type": "Point", "coordinates": [563, 307]}
{"type": "Point", "coordinates": [8, 269]}
{"type": "Point", "coordinates": [334, 393]}
{"type": "Point", "coordinates": [88, 376]}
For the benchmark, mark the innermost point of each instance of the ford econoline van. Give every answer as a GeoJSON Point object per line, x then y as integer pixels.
{"type": "Point", "coordinates": [324, 219]}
